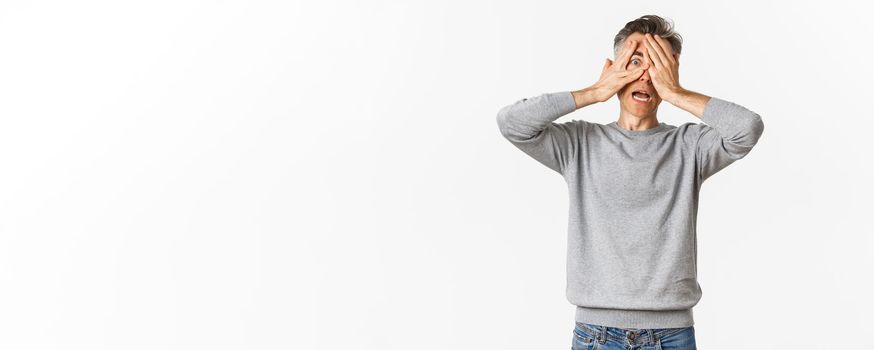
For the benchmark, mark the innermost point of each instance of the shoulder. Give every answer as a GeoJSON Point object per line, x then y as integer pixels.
{"type": "Point", "coordinates": [577, 125]}
{"type": "Point", "coordinates": [590, 126]}
{"type": "Point", "coordinates": [689, 132]}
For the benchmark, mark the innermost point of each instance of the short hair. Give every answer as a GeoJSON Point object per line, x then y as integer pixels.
{"type": "Point", "coordinates": [649, 24]}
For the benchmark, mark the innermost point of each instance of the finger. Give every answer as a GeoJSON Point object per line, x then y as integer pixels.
{"type": "Point", "coordinates": [646, 57]}
{"type": "Point", "coordinates": [606, 67]}
{"type": "Point", "coordinates": [662, 57]}
{"type": "Point", "coordinates": [631, 74]}
{"type": "Point", "coordinates": [655, 50]}
{"type": "Point", "coordinates": [626, 51]}
{"type": "Point", "coordinates": [620, 56]}
{"type": "Point", "coordinates": [632, 45]}
{"type": "Point", "coordinates": [635, 74]}
{"type": "Point", "coordinates": [666, 47]}
{"type": "Point", "coordinates": [652, 53]}
{"type": "Point", "coordinates": [625, 73]}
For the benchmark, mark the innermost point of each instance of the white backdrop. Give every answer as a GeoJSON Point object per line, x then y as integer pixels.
{"type": "Point", "coordinates": [330, 175]}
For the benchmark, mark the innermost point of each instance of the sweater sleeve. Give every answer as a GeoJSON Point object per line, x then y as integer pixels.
{"type": "Point", "coordinates": [529, 125]}
{"type": "Point", "coordinates": [729, 134]}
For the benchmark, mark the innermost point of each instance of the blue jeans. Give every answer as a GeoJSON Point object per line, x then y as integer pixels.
{"type": "Point", "coordinates": [595, 337]}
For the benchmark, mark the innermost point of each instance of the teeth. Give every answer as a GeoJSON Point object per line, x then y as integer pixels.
{"type": "Point", "coordinates": [641, 99]}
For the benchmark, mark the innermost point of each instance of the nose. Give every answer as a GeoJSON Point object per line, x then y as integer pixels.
{"type": "Point", "coordinates": [644, 76]}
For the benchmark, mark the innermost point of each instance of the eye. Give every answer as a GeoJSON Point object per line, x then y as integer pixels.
{"type": "Point", "coordinates": [635, 60]}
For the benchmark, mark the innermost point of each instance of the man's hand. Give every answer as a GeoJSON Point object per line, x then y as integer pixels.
{"type": "Point", "coordinates": [614, 76]}
{"type": "Point", "coordinates": [664, 68]}
{"type": "Point", "coordinates": [664, 72]}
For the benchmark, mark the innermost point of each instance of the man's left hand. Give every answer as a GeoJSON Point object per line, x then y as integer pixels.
{"type": "Point", "coordinates": [664, 67]}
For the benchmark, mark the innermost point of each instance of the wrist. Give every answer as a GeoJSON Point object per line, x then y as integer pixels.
{"type": "Point", "coordinates": [674, 94]}
{"type": "Point", "coordinates": [585, 96]}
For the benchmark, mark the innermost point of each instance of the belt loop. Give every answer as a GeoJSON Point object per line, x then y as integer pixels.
{"type": "Point", "coordinates": [603, 335]}
{"type": "Point", "coordinates": [650, 336]}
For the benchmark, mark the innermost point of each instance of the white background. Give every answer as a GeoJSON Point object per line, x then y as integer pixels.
{"type": "Point", "coordinates": [330, 175]}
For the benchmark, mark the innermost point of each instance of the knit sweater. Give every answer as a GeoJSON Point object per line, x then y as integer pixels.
{"type": "Point", "coordinates": [633, 203]}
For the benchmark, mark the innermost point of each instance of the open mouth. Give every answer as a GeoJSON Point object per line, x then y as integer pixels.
{"type": "Point", "coordinates": [642, 96]}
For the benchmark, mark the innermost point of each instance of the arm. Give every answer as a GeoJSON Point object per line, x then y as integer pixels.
{"type": "Point", "coordinates": [729, 133]}
{"type": "Point", "coordinates": [529, 125]}
{"type": "Point", "coordinates": [585, 97]}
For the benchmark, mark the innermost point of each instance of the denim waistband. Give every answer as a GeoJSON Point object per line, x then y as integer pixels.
{"type": "Point", "coordinates": [637, 336]}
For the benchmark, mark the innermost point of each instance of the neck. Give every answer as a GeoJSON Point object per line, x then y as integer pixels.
{"type": "Point", "coordinates": [632, 122]}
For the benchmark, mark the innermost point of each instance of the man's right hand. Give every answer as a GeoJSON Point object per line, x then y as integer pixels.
{"type": "Point", "coordinates": [616, 76]}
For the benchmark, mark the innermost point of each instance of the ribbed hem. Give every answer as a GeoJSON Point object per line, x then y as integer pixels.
{"type": "Point", "coordinates": [639, 319]}
{"type": "Point", "coordinates": [566, 101]}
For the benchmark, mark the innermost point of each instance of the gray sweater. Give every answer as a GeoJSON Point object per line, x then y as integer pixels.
{"type": "Point", "coordinates": [631, 249]}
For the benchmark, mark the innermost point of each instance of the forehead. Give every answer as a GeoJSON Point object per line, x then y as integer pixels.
{"type": "Point", "coordinates": [639, 38]}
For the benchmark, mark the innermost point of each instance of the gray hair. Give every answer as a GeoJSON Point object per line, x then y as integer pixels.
{"type": "Point", "coordinates": [649, 24]}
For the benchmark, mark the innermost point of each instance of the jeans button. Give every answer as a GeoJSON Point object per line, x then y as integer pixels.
{"type": "Point", "coordinates": [631, 335]}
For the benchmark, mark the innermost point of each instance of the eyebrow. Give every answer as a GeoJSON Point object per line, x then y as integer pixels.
{"type": "Point", "coordinates": [637, 53]}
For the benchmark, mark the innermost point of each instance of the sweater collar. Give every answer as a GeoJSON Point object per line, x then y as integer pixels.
{"type": "Point", "coordinates": [660, 127]}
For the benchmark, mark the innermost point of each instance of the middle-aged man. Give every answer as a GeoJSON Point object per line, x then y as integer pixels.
{"type": "Point", "coordinates": [633, 188]}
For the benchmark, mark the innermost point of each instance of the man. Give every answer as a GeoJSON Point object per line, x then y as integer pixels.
{"type": "Point", "coordinates": [633, 188]}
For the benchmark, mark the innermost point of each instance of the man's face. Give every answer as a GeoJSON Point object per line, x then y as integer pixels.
{"type": "Point", "coordinates": [628, 100]}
